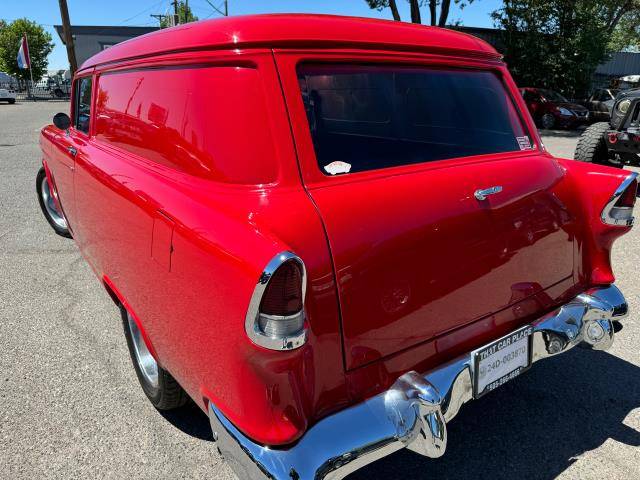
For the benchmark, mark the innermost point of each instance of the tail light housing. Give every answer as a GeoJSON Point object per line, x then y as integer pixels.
{"type": "Point", "coordinates": [619, 209]}
{"type": "Point", "coordinates": [275, 318]}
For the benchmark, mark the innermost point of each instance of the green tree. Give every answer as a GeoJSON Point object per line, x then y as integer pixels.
{"type": "Point", "coordinates": [559, 43]}
{"type": "Point", "coordinates": [415, 5]}
{"type": "Point", "coordinates": [185, 15]}
{"type": "Point", "coordinates": [40, 46]}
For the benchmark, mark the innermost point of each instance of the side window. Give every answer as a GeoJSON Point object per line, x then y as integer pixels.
{"type": "Point", "coordinates": [82, 114]}
{"type": "Point", "coordinates": [165, 116]}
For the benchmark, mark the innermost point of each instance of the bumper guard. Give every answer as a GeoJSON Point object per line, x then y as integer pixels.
{"type": "Point", "coordinates": [414, 412]}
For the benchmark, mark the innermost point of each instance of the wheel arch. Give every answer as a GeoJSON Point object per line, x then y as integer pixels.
{"type": "Point", "coordinates": [121, 302]}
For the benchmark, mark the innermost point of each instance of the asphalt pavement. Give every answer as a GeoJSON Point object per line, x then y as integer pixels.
{"type": "Point", "coordinates": [71, 407]}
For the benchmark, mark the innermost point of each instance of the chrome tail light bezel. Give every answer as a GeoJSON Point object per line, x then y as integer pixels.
{"type": "Point", "coordinates": [619, 216]}
{"type": "Point", "coordinates": [252, 322]}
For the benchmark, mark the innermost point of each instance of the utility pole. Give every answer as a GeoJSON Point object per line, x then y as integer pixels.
{"type": "Point", "coordinates": [160, 18]}
{"type": "Point", "coordinates": [224, 12]}
{"type": "Point", "coordinates": [68, 38]}
{"type": "Point", "coordinates": [175, 12]}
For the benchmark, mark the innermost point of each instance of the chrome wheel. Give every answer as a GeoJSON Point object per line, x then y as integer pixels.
{"type": "Point", "coordinates": [50, 206]}
{"type": "Point", "coordinates": [146, 363]}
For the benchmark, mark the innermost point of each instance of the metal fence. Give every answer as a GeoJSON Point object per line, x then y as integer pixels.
{"type": "Point", "coordinates": [36, 91]}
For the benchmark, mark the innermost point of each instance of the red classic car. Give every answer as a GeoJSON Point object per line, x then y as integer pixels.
{"type": "Point", "coordinates": [329, 232]}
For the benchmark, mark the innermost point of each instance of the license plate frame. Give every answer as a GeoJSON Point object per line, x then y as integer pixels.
{"type": "Point", "coordinates": [521, 336]}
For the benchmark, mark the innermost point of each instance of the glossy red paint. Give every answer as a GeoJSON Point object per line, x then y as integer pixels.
{"type": "Point", "coordinates": [199, 167]}
{"type": "Point", "coordinates": [291, 30]}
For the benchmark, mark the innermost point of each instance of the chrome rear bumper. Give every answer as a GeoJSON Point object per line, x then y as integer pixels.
{"type": "Point", "coordinates": [414, 412]}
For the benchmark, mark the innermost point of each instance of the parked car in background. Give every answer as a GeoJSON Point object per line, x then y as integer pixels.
{"type": "Point", "coordinates": [549, 109]}
{"type": "Point", "coordinates": [330, 233]}
{"type": "Point", "coordinates": [627, 82]}
{"type": "Point", "coordinates": [49, 87]}
{"type": "Point", "coordinates": [600, 104]}
{"type": "Point", "coordinates": [8, 96]}
{"type": "Point", "coordinates": [615, 143]}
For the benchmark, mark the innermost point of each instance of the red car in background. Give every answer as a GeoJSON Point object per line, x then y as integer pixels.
{"type": "Point", "coordinates": [330, 233]}
{"type": "Point", "coordinates": [549, 109]}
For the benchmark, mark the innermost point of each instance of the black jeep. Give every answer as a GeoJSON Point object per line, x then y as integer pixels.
{"type": "Point", "coordinates": [615, 143]}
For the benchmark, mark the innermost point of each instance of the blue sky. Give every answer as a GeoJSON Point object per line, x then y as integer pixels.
{"type": "Point", "coordinates": [136, 12]}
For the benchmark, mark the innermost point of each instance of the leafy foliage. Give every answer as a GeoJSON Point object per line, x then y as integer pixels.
{"type": "Point", "coordinates": [415, 5]}
{"type": "Point", "coordinates": [185, 15]}
{"type": "Point", "coordinates": [626, 36]}
{"type": "Point", "coordinates": [558, 43]}
{"type": "Point", "coordinates": [40, 46]}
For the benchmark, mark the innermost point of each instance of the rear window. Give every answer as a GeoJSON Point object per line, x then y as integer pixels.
{"type": "Point", "coordinates": [365, 118]}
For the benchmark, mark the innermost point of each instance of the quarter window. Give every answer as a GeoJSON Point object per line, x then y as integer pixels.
{"type": "Point", "coordinates": [83, 105]}
{"type": "Point", "coordinates": [365, 118]}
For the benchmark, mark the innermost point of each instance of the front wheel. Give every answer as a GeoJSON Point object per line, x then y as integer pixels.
{"type": "Point", "coordinates": [48, 205]}
{"type": "Point", "coordinates": [592, 146]}
{"type": "Point", "coordinates": [162, 390]}
{"type": "Point", "coordinates": [548, 121]}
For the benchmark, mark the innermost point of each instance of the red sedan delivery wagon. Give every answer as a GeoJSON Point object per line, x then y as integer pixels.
{"type": "Point", "coordinates": [330, 233]}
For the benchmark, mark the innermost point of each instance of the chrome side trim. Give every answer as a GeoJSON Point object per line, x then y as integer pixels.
{"type": "Point", "coordinates": [251, 325]}
{"type": "Point", "coordinates": [414, 412]}
{"type": "Point", "coordinates": [621, 216]}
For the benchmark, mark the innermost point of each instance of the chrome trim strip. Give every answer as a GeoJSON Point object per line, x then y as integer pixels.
{"type": "Point", "coordinates": [251, 325]}
{"type": "Point", "coordinates": [414, 412]}
{"type": "Point", "coordinates": [611, 214]}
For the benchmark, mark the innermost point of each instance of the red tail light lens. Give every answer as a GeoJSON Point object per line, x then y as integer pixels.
{"type": "Point", "coordinates": [619, 210]}
{"type": "Point", "coordinates": [283, 295]}
{"type": "Point", "coordinates": [628, 197]}
{"type": "Point", "coordinates": [276, 317]}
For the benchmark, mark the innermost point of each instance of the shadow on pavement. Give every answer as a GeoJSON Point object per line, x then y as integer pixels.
{"type": "Point", "coordinates": [534, 426]}
{"type": "Point", "coordinates": [191, 420]}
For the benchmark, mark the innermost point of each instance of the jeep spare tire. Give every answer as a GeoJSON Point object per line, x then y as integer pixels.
{"type": "Point", "coordinates": [592, 146]}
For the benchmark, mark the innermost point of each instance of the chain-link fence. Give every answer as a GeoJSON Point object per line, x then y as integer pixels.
{"type": "Point", "coordinates": [49, 89]}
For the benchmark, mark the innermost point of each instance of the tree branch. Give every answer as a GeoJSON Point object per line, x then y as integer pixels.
{"type": "Point", "coordinates": [444, 13]}
{"type": "Point", "coordinates": [415, 11]}
{"type": "Point", "coordinates": [618, 16]}
{"type": "Point", "coordinates": [394, 10]}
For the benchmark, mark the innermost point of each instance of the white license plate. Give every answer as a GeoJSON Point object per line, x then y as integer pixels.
{"type": "Point", "coordinates": [500, 361]}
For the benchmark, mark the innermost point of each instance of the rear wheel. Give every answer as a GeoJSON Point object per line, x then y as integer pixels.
{"type": "Point", "coordinates": [592, 146]}
{"type": "Point", "coordinates": [48, 205]}
{"type": "Point", "coordinates": [162, 390]}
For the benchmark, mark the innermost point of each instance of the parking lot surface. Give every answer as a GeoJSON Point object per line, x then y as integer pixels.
{"type": "Point", "coordinates": [70, 405]}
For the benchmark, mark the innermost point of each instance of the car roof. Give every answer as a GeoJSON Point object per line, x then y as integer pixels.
{"type": "Point", "coordinates": [295, 30]}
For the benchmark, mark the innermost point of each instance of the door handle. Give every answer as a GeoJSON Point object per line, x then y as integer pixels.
{"type": "Point", "coordinates": [484, 193]}
{"type": "Point", "coordinates": [72, 151]}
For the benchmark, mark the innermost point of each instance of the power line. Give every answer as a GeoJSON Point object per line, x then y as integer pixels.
{"type": "Point", "coordinates": [155, 5]}
{"type": "Point", "coordinates": [224, 13]}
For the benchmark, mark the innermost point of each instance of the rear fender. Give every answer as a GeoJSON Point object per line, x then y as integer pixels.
{"type": "Point", "coordinates": [587, 189]}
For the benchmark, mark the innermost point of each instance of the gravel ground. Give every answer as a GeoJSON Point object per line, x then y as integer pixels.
{"type": "Point", "coordinates": [70, 405]}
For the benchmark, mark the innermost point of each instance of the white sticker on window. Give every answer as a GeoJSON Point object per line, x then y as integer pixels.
{"type": "Point", "coordinates": [335, 168]}
{"type": "Point", "coordinates": [524, 143]}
